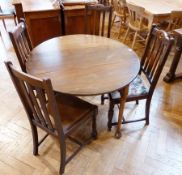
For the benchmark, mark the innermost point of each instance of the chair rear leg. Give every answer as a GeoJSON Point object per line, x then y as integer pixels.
{"type": "Point", "coordinates": [102, 99]}
{"type": "Point", "coordinates": [147, 111]}
{"type": "Point", "coordinates": [94, 126]}
{"type": "Point", "coordinates": [110, 115]}
{"type": "Point", "coordinates": [137, 102]}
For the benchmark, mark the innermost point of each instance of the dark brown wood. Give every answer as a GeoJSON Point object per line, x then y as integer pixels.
{"type": "Point", "coordinates": [98, 19]}
{"type": "Point", "coordinates": [52, 20]}
{"type": "Point", "coordinates": [19, 11]}
{"type": "Point", "coordinates": [74, 19]}
{"type": "Point", "coordinates": [171, 75]}
{"type": "Point", "coordinates": [88, 62]}
{"type": "Point", "coordinates": [84, 64]}
{"type": "Point", "coordinates": [155, 55]}
{"type": "Point", "coordinates": [21, 43]}
{"type": "Point", "coordinates": [58, 115]}
{"type": "Point", "coordinates": [41, 24]}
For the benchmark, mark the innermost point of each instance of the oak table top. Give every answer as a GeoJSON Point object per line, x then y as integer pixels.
{"type": "Point", "coordinates": [86, 65]}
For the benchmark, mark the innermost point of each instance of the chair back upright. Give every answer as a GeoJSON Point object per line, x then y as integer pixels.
{"type": "Point", "coordinates": [175, 20]}
{"type": "Point", "coordinates": [96, 21]}
{"type": "Point", "coordinates": [136, 15]}
{"type": "Point", "coordinates": [21, 43]}
{"type": "Point", "coordinates": [38, 99]}
{"type": "Point", "coordinates": [118, 6]}
{"type": "Point", "coordinates": [8, 13]}
{"type": "Point", "coordinates": [155, 55]}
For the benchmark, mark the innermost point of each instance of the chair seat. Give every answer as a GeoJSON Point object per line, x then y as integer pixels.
{"type": "Point", "coordinates": [136, 27]}
{"type": "Point", "coordinates": [136, 88]}
{"type": "Point", "coordinates": [72, 109]}
{"type": "Point", "coordinates": [119, 14]}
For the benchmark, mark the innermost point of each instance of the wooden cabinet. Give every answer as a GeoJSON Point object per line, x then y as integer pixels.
{"type": "Point", "coordinates": [45, 21]}
{"type": "Point", "coordinates": [44, 25]}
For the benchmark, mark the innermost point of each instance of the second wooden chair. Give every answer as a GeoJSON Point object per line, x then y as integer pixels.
{"type": "Point", "coordinates": [21, 43]}
{"type": "Point", "coordinates": [99, 23]}
{"type": "Point", "coordinates": [155, 55]}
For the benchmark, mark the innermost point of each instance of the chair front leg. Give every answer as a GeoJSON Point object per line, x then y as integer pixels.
{"type": "Point", "coordinates": [123, 94]}
{"type": "Point", "coordinates": [110, 114]}
{"type": "Point", "coordinates": [94, 126]}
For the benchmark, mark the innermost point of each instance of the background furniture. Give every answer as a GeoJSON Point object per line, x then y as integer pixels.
{"type": "Point", "coordinates": [41, 18]}
{"type": "Point", "coordinates": [171, 75]}
{"type": "Point", "coordinates": [175, 21]}
{"type": "Point", "coordinates": [100, 23]}
{"type": "Point", "coordinates": [7, 14]}
{"type": "Point", "coordinates": [58, 115]}
{"type": "Point", "coordinates": [85, 65]}
{"type": "Point", "coordinates": [152, 63]}
{"type": "Point", "coordinates": [120, 11]}
{"type": "Point", "coordinates": [21, 43]}
{"type": "Point", "coordinates": [67, 18]}
{"type": "Point", "coordinates": [160, 9]}
{"type": "Point", "coordinates": [137, 23]}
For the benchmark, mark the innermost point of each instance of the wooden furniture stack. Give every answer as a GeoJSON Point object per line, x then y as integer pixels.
{"type": "Point", "coordinates": [46, 20]}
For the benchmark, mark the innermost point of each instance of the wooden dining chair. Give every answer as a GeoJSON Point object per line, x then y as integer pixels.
{"type": "Point", "coordinates": [21, 43]}
{"type": "Point", "coordinates": [120, 11]}
{"type": "Point", "coordinates": [104, 2]}
{"type": "Point", "coordinates": [175, 21]}
{"type": "Point", "coordinates": [7, 14]}
{"type": "Point", "coordinates": [98, 19]}
{"type": "Point", "coordinates": [139, 24]}
{"type": "Point", "coordinates": [56, 114]}
{"type": "Point", "coordinates": [155, 55]}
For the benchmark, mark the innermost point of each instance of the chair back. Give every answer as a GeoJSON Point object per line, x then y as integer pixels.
{"type": "Point", "coordinates": [119, 6]}
{"type": "Point", "coordinates": [21, 43]}
{"type": "Point", "coordinates": [155, 55]}
{"type": "Point", "coordinates": [175, 20]}
{"type": "Point", "coordinates": [104, 2]}
{"type": "Point", "coordinates": [96, 21]}
{"type": "Point", "coordinates": [38, 100]}
{"type": "Point", "coordinates": [136, 15]}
